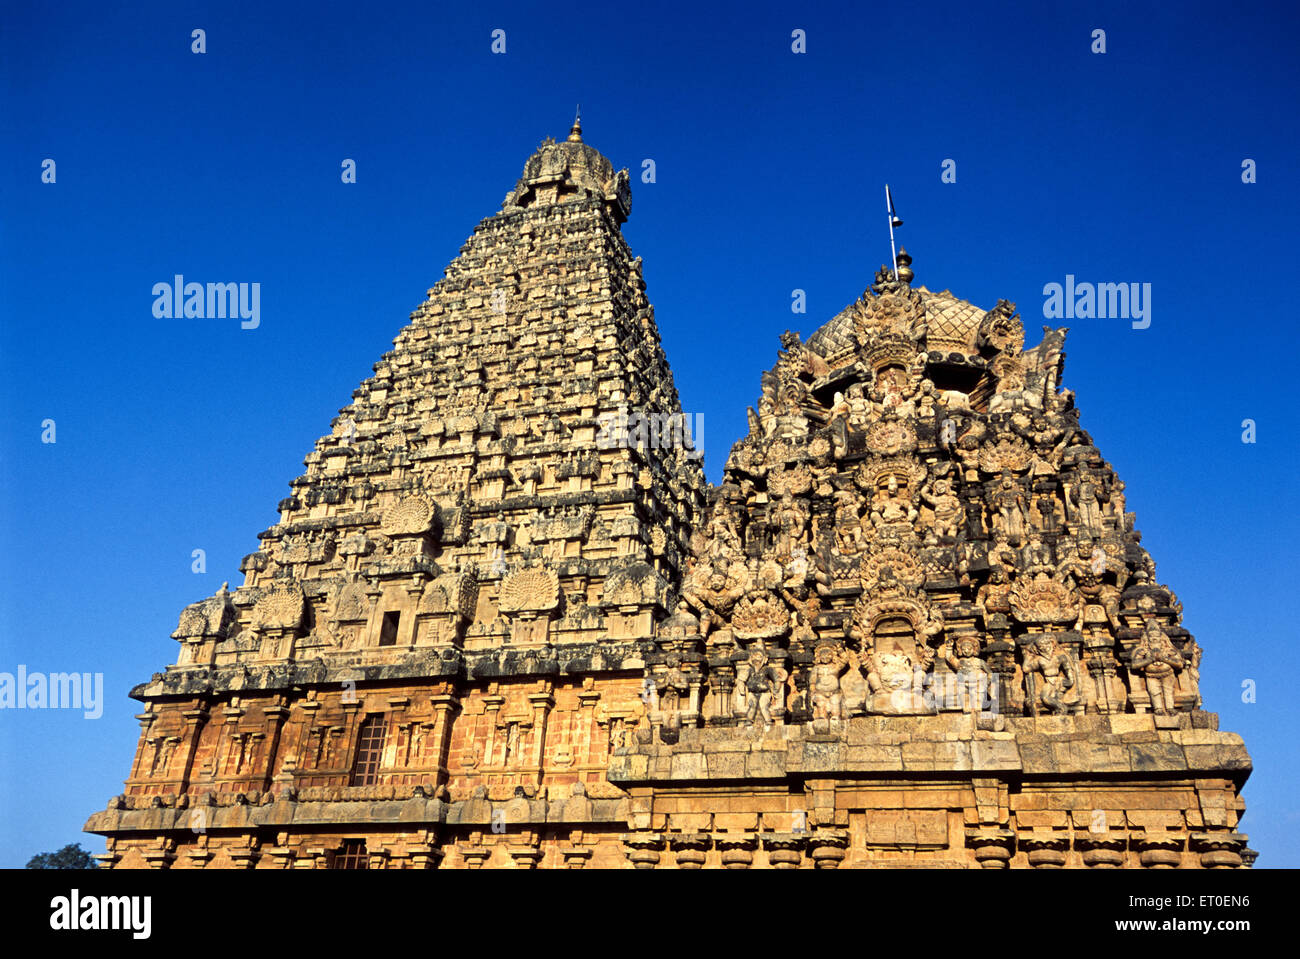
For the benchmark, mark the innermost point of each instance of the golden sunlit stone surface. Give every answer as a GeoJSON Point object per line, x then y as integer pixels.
{"type": "Point", "coordinates": [503, 621]}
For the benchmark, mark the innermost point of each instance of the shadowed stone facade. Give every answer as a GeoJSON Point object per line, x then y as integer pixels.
{"type": "Point", "coordinates": [503, 621]}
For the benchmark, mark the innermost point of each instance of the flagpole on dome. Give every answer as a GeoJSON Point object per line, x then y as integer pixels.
{"type": "Point", "coordinates": [893, 222]}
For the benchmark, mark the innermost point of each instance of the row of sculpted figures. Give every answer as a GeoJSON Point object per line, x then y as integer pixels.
{"type": "Point", "coordinates": [991, 570]}
{"type": "Point", "coordinates": [903, 649]}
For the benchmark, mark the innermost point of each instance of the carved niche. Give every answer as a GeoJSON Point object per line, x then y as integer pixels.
{"type": "Point", "coordinates": [529, 599]}
{"type": "Point", "coordinates": [446, 607]}
{"type": "Point", "coordinates": [278, 618]}
{"type": "Point", "coordinates": [204, 624]}
{"type": "Point", "coordinates": [633, 595]}
{"type": "Point", "coordinates": [411, 523]}
{"type": "Point", "coordinates": [893, 623]}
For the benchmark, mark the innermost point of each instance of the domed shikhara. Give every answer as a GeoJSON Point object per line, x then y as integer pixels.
{"type": "Point", "coordinates": [915, 481]}
{"type": "Point", "coordinates": [952, 325]}
{"type": "Point", "coordinates": [571, 169]}
{"type": "Point", "coordinates": [501, 619]}
{"type": "Point", "coordinates": [943, 323]}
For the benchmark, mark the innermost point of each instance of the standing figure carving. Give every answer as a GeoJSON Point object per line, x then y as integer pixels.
{"type": "Point", "coordinates": [1087, 496]}
{"type": "Point", "coordinates": [829, 664]}
{"type": "Point", "coordinates": [1049, 675]}
{"type": "Point", "coordinates": [763, 684]}
{"type": "Point", "coordinates": [672, 688]}
{"type": "Point", "coordinates": [1009, 509]}
{"type": "Point", "coordinates": [791, 522]}
{"type": "Point", "coordinates": [941, 498]}
{"type": "Point", "coordinates": [974, 678]}
{"type": "Point", "coordinates": [1158, 662]}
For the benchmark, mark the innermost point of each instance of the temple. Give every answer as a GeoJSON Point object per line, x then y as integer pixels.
{"type": "Point", "coordinates": [504, 621]}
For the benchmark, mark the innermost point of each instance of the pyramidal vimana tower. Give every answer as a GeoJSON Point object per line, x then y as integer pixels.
{"type": "Point", "coordinates": [503, 620]}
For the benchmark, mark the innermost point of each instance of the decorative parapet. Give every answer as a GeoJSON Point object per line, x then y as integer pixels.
{"type": "Point", "coordinates": [934, 745]}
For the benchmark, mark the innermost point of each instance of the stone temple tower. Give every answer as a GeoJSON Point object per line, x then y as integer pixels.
{"type": "Point", "coordinates": [503, 621]}
{"type": "Point", "coordinates": [927, 629]}
{"type": "Point", "coordinates": [443, 632]}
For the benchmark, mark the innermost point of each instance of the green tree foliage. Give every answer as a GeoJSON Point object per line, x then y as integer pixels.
{"type": "Point", "coordinates": [71, 856]}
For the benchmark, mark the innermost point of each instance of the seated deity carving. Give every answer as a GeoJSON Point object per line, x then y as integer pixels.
{"type": "Point", "coordinates": [1036, 558]}
{"type": "Point", "coordinates": [712, 589]}
{"type": "Point", "coordinates": [1011, 393]}
{"type": "Point", "coordinates": [995, 595]}
{"type": "Point", "coordinates": [1086, 569]}
{"type": "Point", "coordinates": [890, 509]}
{"type": "Point", "coordinates": [895, 679]}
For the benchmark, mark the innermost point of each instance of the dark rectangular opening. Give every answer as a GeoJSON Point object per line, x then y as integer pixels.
{"type": "Point", "coordinates": [953, 377]}
{"type": "Point", "coordinates": [352, 855]}
{"type": "Point", "coordinates": [370, 750]}
{"type": "Point", "coordinates": [388, 631]}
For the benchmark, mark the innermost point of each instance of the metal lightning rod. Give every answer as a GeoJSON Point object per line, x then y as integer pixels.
{"type": "Point", "coordinates": [893, 222]}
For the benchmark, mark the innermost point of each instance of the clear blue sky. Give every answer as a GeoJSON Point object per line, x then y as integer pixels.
{"type": "Point", "coordinates": [175, 435]}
